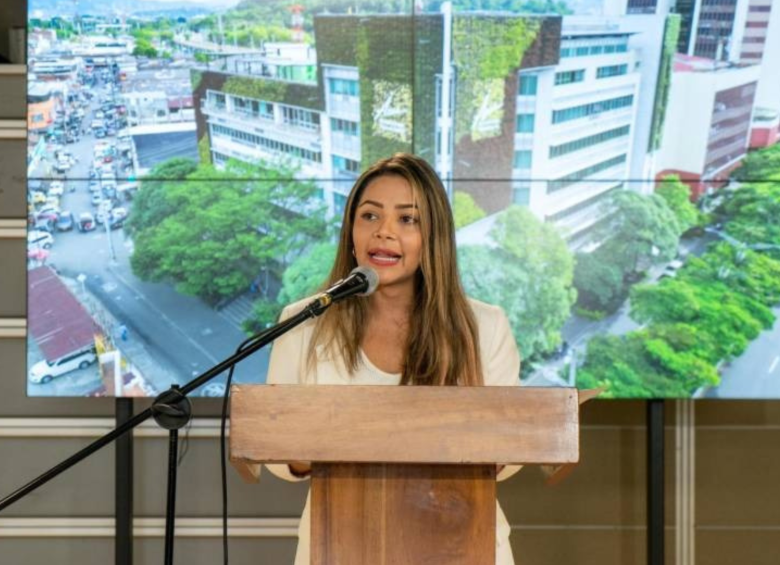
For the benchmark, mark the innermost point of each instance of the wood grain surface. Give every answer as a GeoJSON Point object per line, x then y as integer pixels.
{"type": "Point", "coordinates": [396, 424]}
{"type": "Point", "coordinates": [403, 514]}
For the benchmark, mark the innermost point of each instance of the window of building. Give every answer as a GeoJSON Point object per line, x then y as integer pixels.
{"type": "Point", "coordinates": [528, 85]}
{"type": "Point", "coordinates": [521, 192]}
{"type": "Point", "coordinates": [343, 86]}
{"type": "Point", "coordinates": [582, 205]}
{"type": "Point", "coordinates": [264, 143]}
{"type": "Point", "coordinates": [218, 99]}
{"type": "Point", "coordinates": [582, 174]}
{"type": "Point", "coordinates": [568, 77]}
{"type": "Point", "coordinates": [300, 118]}
{"type": "Point", "coordinates": [525, 123]}
{"type": "Point", "coordinates": [344, 165]}
{"type": "Point", "coordinates": [345, 127]}
{"type": "Point", "coordinates": [339, 204]}
{"type": "Point", "coordinates": [522, 160]}
{"type": "Point", "coordinates": [592, 109]}
{"type": "Point", "coordinates": [588, 141]}
{"type": "Point", "coordinates": [588, 46]}
{"type": "Point", "coordinates": [611, 71]}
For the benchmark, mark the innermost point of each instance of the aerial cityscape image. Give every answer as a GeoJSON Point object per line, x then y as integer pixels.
{"type": "Point", "coordinates": [612, 167]}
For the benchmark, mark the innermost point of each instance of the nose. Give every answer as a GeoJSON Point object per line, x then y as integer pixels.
{"type": "Point", "coordinates": [386, 228]}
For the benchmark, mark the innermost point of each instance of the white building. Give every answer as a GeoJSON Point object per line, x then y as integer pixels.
{"type": "Point", "coordinates": [709, 116]}
{"type": "Point", "coordinates": [575, 125]}
{"type": "Point", "coordinates": [325, 145]}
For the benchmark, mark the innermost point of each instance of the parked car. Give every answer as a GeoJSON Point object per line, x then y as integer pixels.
{"type": "Point", "coordinates": [56, 188]}
{"type": "Point", "coordinates": [65, 222]}
{"type": "Point", "coordinates": [44, 371]}
{"type": "Point", "coordinates": [86, 222]}
{"type": "Point", "coordinates": [115, 222]}
{"type": "Point", "coordinates": [670, 271]}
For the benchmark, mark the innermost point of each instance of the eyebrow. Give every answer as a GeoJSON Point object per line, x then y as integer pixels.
{"type": "Point", "coordinates": [380, 205]}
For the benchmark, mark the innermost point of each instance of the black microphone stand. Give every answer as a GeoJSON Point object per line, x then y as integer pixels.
{"type": "Point", "coordinates": [172, 410]}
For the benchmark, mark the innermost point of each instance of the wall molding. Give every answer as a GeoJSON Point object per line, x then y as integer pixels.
{"type": "Point", "coordinates": [13, 327]}
{"type": "Point", "coordinates": [95, 427]}
{"type": "Point", "coordinates": [13, 229]}
{"type": "Point", "coordinates": [6, 69]}
{"type": "Point", "coordinates": [11, 129]}
{"type": "Point", "coordinates": [209, 427]}
{"type": "Point", "coordinates": [43, 528]}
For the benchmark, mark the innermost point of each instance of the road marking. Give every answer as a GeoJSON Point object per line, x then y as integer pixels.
{"type": "Point", "coordinates": [774, 364]}
{"type": "Point", "coordinates": [170, 322]}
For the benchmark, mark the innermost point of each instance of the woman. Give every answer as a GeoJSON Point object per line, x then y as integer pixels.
{"type": "Point", "coordinates": [417, 328]}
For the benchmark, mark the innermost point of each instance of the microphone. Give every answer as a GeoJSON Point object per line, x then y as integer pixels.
{"type": "Point", "coordinates": [361, 281]}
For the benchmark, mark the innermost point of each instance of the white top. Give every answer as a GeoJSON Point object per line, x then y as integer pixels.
{"type": "Point", "coordinates": [500, 367]}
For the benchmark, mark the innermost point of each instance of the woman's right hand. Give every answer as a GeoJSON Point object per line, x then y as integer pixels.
{"type": "Point", "coordinates": [300, 468]}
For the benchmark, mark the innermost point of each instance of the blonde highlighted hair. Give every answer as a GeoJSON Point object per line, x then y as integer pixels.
{"type": "Point", "coordinates": [443, 343]}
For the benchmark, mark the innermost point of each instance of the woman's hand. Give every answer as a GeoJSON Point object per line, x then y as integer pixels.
{"type": "Point", "coordinates": [300, 469]}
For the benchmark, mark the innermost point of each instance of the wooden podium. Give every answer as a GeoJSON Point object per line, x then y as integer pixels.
{"type": "Point", "coordinates": [401, 474]}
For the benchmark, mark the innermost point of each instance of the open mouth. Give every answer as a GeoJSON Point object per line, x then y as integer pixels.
{"type": "Point", "coordinates": [384, 257]}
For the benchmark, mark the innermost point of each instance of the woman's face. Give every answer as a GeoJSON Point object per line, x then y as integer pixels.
{"type": "Point", "coordinates": [386, 231]}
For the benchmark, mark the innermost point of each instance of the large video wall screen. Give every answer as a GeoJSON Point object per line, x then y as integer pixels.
{"type": "Point", "coordinates": [610, 168]}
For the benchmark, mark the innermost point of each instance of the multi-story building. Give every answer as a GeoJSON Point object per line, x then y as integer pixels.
{"type": "Point", "coordinates": [726, 30]}
{"type": "Point", "coordinates": [756, 31]}
{"type": "Point", "coordinates": [715, 102]}
{"type": "Point", "coordinates": [40, 108]}
{"type": "Point", "coordinates": [575, 126]}
{"type": "Point", "coordinates": [565, 109]}
{"type": "Point", "coordinates": [767, 115]}
{"type": "Point", "coordinates": [160, 117]}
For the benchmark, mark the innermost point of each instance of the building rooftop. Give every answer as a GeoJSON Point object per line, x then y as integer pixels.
{"type": "Point", "coordinates": [693, 64]}
{"type": "Point", "coordinates": [58, 322]}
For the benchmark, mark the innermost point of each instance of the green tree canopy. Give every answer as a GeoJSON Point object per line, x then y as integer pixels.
{"type": "Point", "coordinates": [730, 318]}
{"type": "Point", "coordinates": [677, 196]}
{"type": "Point", "coordinates": [227, 229]}
{"type": "Point", "coordinates": [599, 283]}
{"type": "Point", "coordinates": [144, 48]}
{"type": "Point", "coordinates": [753, 213]}
{"type": "Point", "coordinates": [759, 165]}
{"type": "Point", "coordinates": [465, 210]}
{"type": "Point", "coordinates": [151, 204]}
{"type": "Point", "coordinates": [307, 273]}
{"type": "Point", "coordinates": [528, 272]}
{"type": "Point", "coordinates": [639, 230]}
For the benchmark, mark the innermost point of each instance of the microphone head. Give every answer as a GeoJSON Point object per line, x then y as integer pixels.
{"type": "Point", "coordinates": [371, 277]}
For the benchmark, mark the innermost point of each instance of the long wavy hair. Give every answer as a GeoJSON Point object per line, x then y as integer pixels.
{"type": "Point", "coordinates": [442, 347]}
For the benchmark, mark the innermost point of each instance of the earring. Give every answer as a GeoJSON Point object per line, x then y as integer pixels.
{"type": "Point", "coordinates": [353, 252]}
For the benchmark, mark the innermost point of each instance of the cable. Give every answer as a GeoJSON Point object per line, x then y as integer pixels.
{"type": "Point", "coordinates": [222, 446]}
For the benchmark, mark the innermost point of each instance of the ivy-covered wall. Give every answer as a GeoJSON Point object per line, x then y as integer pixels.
{"type": "Point", "coordinates": [295, 94]}
{"type": "Point", "coordinates": [429, 38]}
{"type": "Point", "coordinates": [671, 36]}
{"type": "Point", "coordinates": [488, 51]}
{"type": "Point", "coordinates": [202, 81]}
{"type": "Point", "coordinates": [384, 53]}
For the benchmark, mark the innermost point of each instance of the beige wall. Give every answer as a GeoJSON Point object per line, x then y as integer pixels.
{"type": "Point", "coordinates": [596, 516]}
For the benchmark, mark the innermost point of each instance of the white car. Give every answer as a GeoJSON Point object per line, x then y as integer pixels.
{"type": "Point", "coordinates": [44, 371]}
{"type": "Point", "coordinates": [38, 238]}
{"type": "Point", "coordinates": [56, 188]}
